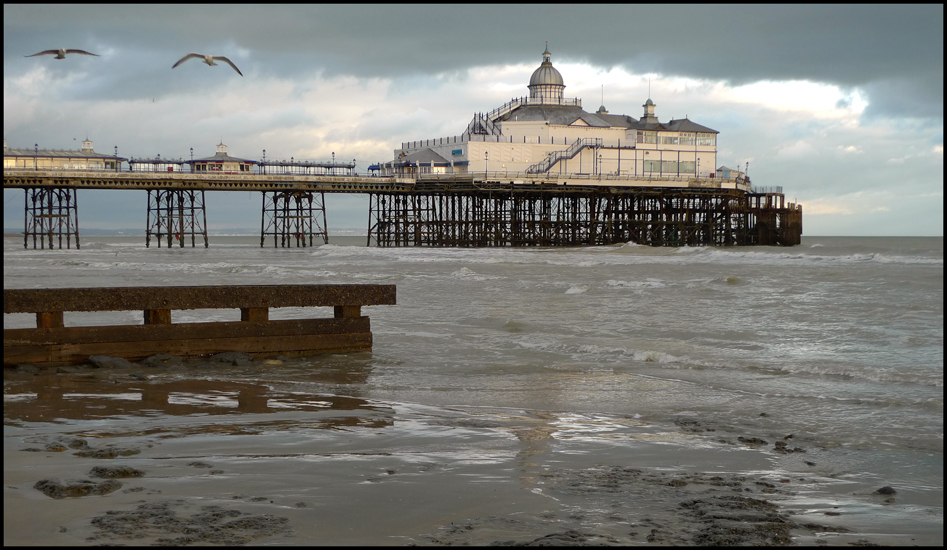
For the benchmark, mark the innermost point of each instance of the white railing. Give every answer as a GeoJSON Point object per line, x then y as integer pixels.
{"type": "Point", "coordinates": [520, 101]}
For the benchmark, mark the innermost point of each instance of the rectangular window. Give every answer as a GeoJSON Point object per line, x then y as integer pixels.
{"type": "Point", "coordinates": [667, 139]}
{"type": "Point", "coordinates": [687, 138]}
{"type": "Point", "coordinates": [647, 137]}
{"type": "Point", "coordinates": [652, 166]}
{"type": "Point", "coordinates": [688, 167]}
{"type": "Point", "coordinates": [669, 166]}
{"type": "Point", "coordinates": [706, 139]}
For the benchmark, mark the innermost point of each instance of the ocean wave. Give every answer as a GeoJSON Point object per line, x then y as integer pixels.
{"type": "Point", "coordinates": [858, 372]}
{"type": "Point", "coordinates": [647, 283]}
{"type": "Point", "coordinates": [470, 275]}
{"type": "Point", "coordinates": [95, 245]}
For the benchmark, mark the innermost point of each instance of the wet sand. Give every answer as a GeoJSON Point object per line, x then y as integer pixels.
{"type": "Point", "coordinates": [132, 458]}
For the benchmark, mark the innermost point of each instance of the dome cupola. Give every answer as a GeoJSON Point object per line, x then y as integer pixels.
{"type": "Point", "coordinates": [546, 83]}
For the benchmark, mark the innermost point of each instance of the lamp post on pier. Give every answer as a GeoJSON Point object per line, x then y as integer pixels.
{"type": "Point", "coordinates": [486, 164]}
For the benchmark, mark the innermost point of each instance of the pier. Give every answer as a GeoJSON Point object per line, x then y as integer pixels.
{"type": "Point", "coordinates": [467, 210]}
{"type": "Point", "coordinates": [53, 343]}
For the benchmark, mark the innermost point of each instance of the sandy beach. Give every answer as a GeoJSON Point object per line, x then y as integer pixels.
{"type": "Point", "coordinates": [183, 459]}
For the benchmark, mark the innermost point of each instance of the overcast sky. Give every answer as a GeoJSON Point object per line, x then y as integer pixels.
{"type": "Point", "coordinates": [842, 106]}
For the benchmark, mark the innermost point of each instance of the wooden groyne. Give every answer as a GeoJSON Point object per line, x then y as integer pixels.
{"type": "Point", "coordinates": [53, 343]}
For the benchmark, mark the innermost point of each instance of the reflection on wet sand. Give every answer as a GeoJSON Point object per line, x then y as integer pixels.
{"type": "Point", "coordinates": [56, 398]}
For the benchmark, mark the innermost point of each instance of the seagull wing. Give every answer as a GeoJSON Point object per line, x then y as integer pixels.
{"type": "Point", "coordinates": [188, 56]}
{"type": "Point", "coordinates": [45, 52]}
{"type": "Point", "coordinates": [83, 52]}
{"type": "Point", "coordinates": [229, 62]}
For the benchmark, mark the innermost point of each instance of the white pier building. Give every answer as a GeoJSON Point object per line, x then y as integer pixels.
{"type": "Point", "coordinates": [549, 135]}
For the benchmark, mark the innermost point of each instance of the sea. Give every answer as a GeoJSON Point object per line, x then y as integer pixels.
{"type": "Point", "coordinates": [835, 346]}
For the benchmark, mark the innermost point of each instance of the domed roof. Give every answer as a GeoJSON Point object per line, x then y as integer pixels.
{"type": "Point", "coordinates": [546, 73]}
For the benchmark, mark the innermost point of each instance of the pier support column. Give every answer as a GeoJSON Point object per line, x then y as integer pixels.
{"type": "Point", "coordinates": [49, 214]}
{"type": "Point", "coordinates": [173, 215]}
{"type": "Point", "coordinates": [529, 216]}
{"type": "Point", "coordinates": [293, 217]}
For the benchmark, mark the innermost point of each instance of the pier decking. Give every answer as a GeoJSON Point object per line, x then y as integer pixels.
{"type": "Point", "coordinates": [52, 343]}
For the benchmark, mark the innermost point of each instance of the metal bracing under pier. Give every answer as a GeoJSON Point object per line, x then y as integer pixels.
{"type": "Point", "coordinates": [293, 217]}
{"type": "Point", "coordinates": [175, 214]}
{"type": "Point", "coordinates": [49, 214]}
{"type": "Point", "coordinates": [578, 217]}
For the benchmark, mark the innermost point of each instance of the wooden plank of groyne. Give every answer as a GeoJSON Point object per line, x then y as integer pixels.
{"type": "Point", "coordinates": [51, 343]}
{"type": "Point", "coordinates": [259, 347]}
{"type": "Point", "coordinates": [142, 333]}
{"type": "Point", "coordinates": [194, 297]}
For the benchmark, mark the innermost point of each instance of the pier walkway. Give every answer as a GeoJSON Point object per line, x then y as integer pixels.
{"type": "Point", "coordinates": [203, 181]}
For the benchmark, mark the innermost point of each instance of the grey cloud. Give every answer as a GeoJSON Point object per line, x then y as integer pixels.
{"type": "Point", "coordinates": [848, 45]}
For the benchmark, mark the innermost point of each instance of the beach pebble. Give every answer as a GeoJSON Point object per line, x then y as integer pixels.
{"type": "Point", "coordinates": [886, 490]}
{"type": "Point", "coordinates": [115, 472]}
{"type": "Point", "coordinates": [107, 362]}
{"type": "Point", "coordinates": [82, 488]}
{"type": "Point", "coordinates": [109, 452]}
{"type": "Point", "coordinates": [161, 359]}
{"type": "Point", "coordinates": [235, 358]}
{"type": "Point", "coordinates": [27, 368]}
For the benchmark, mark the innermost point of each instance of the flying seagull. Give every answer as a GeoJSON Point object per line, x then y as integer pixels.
{"type": "Point", "coordinates": [61, 53]}
{"type": "Point", "coordinates": [209, 59]}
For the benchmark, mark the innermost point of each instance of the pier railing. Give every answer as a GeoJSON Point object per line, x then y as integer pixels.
{"type": "Point", "coordinates": [52, 343]}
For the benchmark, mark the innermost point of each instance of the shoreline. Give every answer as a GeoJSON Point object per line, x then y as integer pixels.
{"type": "Point", "coordinates": [351, 470]}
